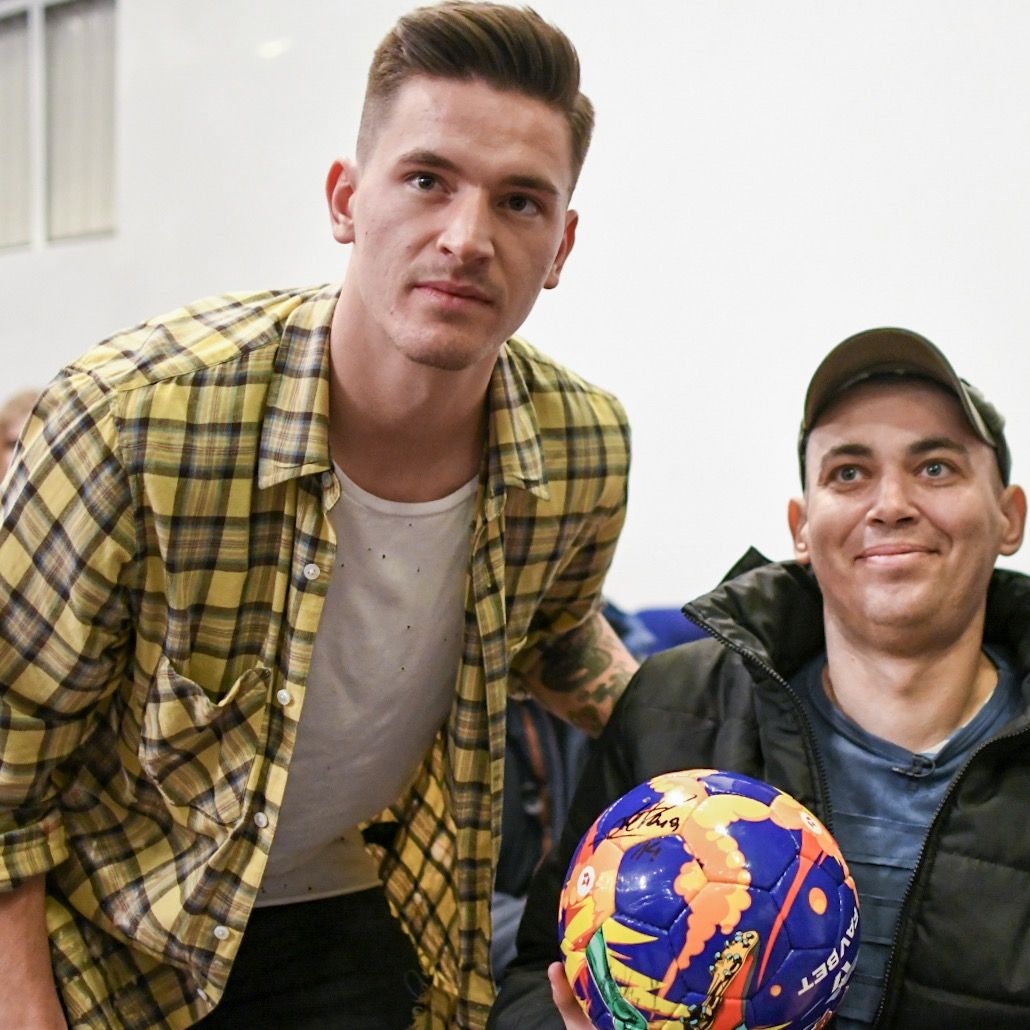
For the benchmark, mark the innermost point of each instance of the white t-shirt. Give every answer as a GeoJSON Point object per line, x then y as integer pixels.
{"type": "Point", "coordinates": [380, 687]}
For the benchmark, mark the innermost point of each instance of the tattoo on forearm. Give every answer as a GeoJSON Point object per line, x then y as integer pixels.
{"type": "Point", "coordinates": [580, 676]}
{"type": "Point", "coordinates": [576, 661]}
{"type": "Point", "coordinates": [594, 706]}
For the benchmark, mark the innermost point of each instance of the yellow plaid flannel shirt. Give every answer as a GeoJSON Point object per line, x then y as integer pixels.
{"type": "Point", "coordinates": [164, 557]}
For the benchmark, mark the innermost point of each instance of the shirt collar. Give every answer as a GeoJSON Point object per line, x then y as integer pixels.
{"type": "Point", "coordinates": [515, 455]}
{"type": "Point", "coordinates": [295, 433]}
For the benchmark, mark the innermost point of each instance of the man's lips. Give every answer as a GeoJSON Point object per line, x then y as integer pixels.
{"type": "Point", "coordinates": [449, 289]}
{"type": "Point", "coordinates": [888, 552]}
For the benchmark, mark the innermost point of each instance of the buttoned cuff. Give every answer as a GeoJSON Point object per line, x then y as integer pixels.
{"type": "Point", "coordinates": [32, 850]}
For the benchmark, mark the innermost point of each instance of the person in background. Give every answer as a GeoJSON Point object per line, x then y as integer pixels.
{"type": "Point", "coordinates": [271, 564]}
{"type": "Point", "coordinates": [14, 413]}
{"type": "Point", "coordinates": [882, 678]}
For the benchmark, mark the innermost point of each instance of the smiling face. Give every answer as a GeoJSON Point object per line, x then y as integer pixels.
{"type": "Point", "coordinates": [903, 517]}
{"type": "Point", "coordinates": [458, 216]}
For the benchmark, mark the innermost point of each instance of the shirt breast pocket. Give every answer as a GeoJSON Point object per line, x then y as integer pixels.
{"type": "Point", "coordinates": [199, 753]}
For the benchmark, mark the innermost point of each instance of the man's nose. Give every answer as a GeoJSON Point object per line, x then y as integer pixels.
{"type": "Point", "coordinates": [892, 501]}
{"type": "Point", "coordinates": [467, 233]}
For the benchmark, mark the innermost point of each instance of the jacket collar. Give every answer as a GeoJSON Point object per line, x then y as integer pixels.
{"type": "Point", "coordinates": [773, 611]}
{"type": "Point", "coordinates": [1008, 615]}
{"type": "Point", "coordinates": [749, 611]}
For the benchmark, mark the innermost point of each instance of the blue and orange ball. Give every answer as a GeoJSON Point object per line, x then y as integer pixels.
{"type": "Point", "coordinates": [708, 900]}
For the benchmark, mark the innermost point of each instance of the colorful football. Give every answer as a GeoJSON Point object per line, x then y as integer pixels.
{"type": "Point", "coordinates": [708, 900]}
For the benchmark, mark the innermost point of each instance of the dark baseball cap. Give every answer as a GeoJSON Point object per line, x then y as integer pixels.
{"type": "Point", "coordinates": [883, 353]}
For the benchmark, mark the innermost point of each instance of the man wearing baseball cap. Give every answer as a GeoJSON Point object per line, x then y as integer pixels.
{"type": "Point", "coordinates": [882, 678]}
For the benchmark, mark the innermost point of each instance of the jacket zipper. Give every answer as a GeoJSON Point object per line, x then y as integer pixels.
{"type": "Point", "coordinates": [888, 988]}
{"type": "Point", "coordinates": [753, 659]}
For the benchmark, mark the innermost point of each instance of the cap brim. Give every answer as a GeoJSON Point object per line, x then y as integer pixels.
{"type": "Point", "coordinates": [884, 352]}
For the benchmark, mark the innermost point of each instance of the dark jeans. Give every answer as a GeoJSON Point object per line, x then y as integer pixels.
{"type": "Point", "coordinates": [337, 964]}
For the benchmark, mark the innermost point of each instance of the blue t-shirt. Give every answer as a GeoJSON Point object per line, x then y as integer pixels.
{"type": "Point", "coordinates": [882, 841]}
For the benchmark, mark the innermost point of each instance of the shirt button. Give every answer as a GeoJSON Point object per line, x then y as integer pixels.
{"type": "Point", "coordinates": [260, 820]}
{"type": "Point", "coordinates": [328, 479]}
{"type": "Point", "coordinates": [312, 571]}
{"type": "Point", "coordinates": [222, 932]}
{"type": "Point", "coordinates": [283, 696]}
{"type": "Point", "coordinates": [202, 994]}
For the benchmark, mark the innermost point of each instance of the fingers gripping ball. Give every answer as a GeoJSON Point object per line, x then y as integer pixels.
{"type": "Point", "coordinates": [708, 900]}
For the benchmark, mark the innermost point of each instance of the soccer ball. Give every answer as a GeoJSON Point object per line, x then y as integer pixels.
{"type": "Point", "coordinates": [708, 900]}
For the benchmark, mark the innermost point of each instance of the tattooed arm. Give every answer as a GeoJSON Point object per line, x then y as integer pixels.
{"type": "Point", "coordinates": [580, 675]}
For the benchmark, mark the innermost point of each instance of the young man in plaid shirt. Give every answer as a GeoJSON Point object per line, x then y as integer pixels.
{"type": "Point", "coordinates": [270, 565]}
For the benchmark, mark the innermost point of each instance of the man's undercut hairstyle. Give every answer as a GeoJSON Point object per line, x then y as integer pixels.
{"type": "Point", "coordinates": [510, 48]}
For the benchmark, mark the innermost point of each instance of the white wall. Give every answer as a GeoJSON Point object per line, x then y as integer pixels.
{"type": "Point", "coordinates": [767, 177]}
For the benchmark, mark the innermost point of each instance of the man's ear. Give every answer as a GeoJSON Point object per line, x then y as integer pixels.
{"type": "Point", "coordinates": [564, 249]}
{"type": "Point", "coordinates": [1013, 508]}
{"type": "Point", "coordinates": [340, 184]}
{"type": "Point", "coordinates": [797, 519]}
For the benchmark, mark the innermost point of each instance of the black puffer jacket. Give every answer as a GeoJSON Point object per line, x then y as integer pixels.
{"type": "Point", "coordinates": [962, 953]}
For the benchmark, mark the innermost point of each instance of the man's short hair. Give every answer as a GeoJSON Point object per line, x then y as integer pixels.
{"type": "Point", "coordinates": [890, 354]}
{"type": "Point", "coordinates": [510, 48]}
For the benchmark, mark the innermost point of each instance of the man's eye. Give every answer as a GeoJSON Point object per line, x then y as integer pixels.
{"type": "Point", "coordinates": [522, 204]}
{"type": "Point", "coordinates": [936, 469]}
{"type": "Point", "coordinates": [847, 473]}
{"type": "Point", "coordinates": [423, 181]}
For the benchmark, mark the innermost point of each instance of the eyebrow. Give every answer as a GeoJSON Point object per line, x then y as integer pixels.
{"type": "Point", "coordinates": [924, 446]}
{"type": "Point", "coordinates": [938, 443]}
{"type": "Point", "coordinates": [845, 450]}
{"type": "Point", "coordinates": [430, 159]}
{"type": "Point", "coordinates": [427, 158]}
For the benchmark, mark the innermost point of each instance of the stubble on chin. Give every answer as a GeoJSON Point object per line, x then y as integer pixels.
{"type": "Point", "coordinates": [449, 355]}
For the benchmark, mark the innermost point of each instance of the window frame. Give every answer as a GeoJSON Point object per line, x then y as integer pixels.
{"type": "Point", "coordinates": [40, 237]}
